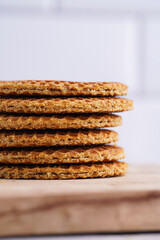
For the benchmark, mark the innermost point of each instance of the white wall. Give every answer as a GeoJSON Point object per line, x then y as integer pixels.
{"type": "Point", "coordinates": [91, 41]}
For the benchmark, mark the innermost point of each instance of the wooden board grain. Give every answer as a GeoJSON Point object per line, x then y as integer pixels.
{"type": "Point", "coordinates": [120, 204]}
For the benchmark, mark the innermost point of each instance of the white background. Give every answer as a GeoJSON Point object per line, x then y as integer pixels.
{"type": "Point", "coordinates": [88, 40]}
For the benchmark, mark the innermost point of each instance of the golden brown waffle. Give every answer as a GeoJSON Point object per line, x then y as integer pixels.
{"type": "Point", "coordinates": [62, 88]}
{"type": "Point", "coordinates": [14, 121]}
{"type": "Point", "coordinates": [65, 105]}
{"type": "Point", "coordinates": [70, 171]}
{"type": "Point", "coordinates": [60, 155]}
{"type": "Point", "coordinates": [54, 138]}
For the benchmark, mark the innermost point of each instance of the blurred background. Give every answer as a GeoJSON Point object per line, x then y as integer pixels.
{"type": "Point", "coordinates": [91, 40]}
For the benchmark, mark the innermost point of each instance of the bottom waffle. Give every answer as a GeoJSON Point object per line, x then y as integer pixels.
{"type": "Point", "coordinates": [68, 171]}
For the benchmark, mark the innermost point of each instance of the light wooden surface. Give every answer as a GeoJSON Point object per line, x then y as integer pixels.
{"type": "Point", "coordinates": [120, 204]}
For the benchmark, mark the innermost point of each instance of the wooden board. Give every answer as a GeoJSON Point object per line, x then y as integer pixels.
{"type": "Point", "coordinates": [120, 204]}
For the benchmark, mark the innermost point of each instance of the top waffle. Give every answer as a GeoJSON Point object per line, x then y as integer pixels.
{"type": "Point", "coordinates": [62, 88]}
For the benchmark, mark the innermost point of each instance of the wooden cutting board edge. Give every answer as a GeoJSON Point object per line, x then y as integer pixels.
{"type": "Point", "coordinates": [111, 209]}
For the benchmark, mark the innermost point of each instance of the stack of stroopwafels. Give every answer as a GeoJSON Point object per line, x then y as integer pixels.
{"type": "Point", "coordinates": [53, 129]}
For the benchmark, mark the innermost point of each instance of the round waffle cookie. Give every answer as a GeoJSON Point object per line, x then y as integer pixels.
{"type": "Point", "coordinates": [65, 105]}
{"type": "Point", "coordinates": [57, 137]}
{"type": "Point", "coordinates": [72, 121]}
{"type": "Point", "coordinates": [103, 153]}
{"type": "Point", "coordinates": [68, 171]}
{"type": "Point", "coordinates": [62, 88]}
